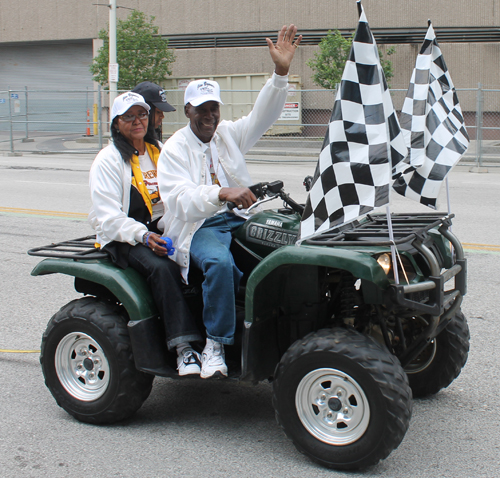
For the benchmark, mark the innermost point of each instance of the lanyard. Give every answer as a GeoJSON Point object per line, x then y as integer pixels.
{"type": "Point", "coordinates": [215, 157]}
{"type": "Point", "coordinates": [218, 171]}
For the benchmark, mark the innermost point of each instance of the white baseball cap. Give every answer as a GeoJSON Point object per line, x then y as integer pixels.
{"type": "Point", "coordinates": [125, 101]}
{"type": "Point", "coordinates": [201, 91]}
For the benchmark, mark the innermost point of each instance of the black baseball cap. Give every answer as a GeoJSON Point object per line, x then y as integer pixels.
{"type": "Point", "coordinates": [154, 95]}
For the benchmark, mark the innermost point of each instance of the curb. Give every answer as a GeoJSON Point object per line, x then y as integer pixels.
{"type": "Point", "coordinates": [309, 155]}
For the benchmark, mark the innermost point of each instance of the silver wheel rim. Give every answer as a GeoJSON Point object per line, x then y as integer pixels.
{"type": "Point", "coordinates": [82, 367]}
{"type": "Point", "coordinates": [332, 406]}
{"type": "Point", "coordinates": [426, 356]}
{"type": "Point", "coordinates": [423, 360]}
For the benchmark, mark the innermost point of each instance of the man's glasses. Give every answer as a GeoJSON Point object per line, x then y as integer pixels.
{"type": "Point", "coordinates": [130, 118]}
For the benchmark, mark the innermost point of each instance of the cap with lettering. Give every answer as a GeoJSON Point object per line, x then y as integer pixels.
{"type": "Point", "coordinates": [154, 95]}
{"type": "Point", "coordinates": [201, 91]}
{"type": "Point", "coordinates": [125, 101]}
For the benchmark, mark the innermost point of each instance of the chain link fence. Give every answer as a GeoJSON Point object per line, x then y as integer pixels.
{"type": "Point", "coordinates": [76, 121]}
{"type": "Point", "coordinates": [32, 115]}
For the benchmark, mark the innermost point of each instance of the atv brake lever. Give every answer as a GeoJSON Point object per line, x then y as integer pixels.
{"type": "Point", "coordinates": [261, 201]}
{"type": "Point", "coordinates": [258, 189]}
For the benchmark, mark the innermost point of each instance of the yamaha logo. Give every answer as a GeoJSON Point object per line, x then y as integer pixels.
{"type": "Point", "coordinates": [274, 222]}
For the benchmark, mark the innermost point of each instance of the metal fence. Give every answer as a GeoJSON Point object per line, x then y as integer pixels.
{"type": "Point", "coordinates": [35, 120]}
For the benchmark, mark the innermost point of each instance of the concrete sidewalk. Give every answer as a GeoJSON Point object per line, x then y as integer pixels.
{"type": "Point", "coordinates": [267, 149]}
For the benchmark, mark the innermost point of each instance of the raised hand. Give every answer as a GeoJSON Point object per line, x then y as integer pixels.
{"type": "Point", "coordinates": [282, 53]}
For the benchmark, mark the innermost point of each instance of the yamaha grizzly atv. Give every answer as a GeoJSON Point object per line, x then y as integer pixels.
{"type": "Point", "coordinates": [344, 344]}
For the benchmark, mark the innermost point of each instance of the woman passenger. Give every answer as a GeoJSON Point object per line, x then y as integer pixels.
{"type": "Point", "coordinates": [127, 207]}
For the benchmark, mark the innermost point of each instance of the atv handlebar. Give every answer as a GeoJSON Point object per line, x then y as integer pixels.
{"type": "Point", "coordinates": [267, 192]}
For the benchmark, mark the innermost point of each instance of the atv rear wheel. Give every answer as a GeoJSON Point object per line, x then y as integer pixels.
{"type": "Point", "coordinates": [342, 399]}
{"type": "Point", "coordinates": [87, 362]}
{"type": "Point", "coordinates": [442, 360]}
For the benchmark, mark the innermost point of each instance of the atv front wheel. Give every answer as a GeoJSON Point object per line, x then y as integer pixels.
{"type": "Point", "coordinates": [442, 360]}
{"type": "Point", "coordinates": [87, 362]}
{"type": "Point", "coordinates": [342, 399]}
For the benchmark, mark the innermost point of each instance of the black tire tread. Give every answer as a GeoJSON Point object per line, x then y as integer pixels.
{"type": "Point", "coordinates": [134, 386]}
{"type": "Point", "coordinates": [440, 375]}
{"type": "Point", "coordinates": [384, 368]}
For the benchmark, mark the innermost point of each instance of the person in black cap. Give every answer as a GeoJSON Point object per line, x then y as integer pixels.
{"type": "Point", "coordinates": [156, 98]}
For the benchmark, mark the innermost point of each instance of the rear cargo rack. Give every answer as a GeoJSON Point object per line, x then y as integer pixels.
{"type": "Point", "coordinates": [82, 248]}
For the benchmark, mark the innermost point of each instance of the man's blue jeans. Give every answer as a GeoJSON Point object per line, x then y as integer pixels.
{"type": "Point", "coordinates": [210, 253]}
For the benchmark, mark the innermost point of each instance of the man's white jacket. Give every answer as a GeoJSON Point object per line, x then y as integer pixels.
{"type": "Point", "coordinates": [187, 197]}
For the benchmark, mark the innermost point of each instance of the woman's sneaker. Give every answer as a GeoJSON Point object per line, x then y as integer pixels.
{"type": "Point", "coordinates": [212, 361]}
{"type": "Point", "coordinates": [189, 362]}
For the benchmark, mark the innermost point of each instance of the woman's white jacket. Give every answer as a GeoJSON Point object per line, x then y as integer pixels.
{"type": "Point", "coordinates": [110, 181]}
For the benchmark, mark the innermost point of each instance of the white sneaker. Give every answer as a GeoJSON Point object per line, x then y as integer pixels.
{"type": "Point", "coordinates": [212, 360]}
{"type": "Point", "coordinates": [189, 363]}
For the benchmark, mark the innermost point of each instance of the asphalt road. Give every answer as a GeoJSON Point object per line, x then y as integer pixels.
{"type": "Point", "coordinates": [221, 429]}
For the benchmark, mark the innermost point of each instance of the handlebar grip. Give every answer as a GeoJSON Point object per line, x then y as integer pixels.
{"type": "Point", "coordinates": [257, 189]}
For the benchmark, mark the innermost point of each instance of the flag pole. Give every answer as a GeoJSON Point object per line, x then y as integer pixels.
{"type": "Point", "coordinates": [448, 195]}
{"type": "Point", "coordinates": [393, 244]}
{"type": "Point", "coordinates": [449, 206]}
{"type": "Point", "coordinates": [387, 207]}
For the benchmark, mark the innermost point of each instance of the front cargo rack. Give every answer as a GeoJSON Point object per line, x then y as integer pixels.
{"type": "Point", "coordinates": [82, 248]}
{"type": "Point", "coordinates": [373, 230]}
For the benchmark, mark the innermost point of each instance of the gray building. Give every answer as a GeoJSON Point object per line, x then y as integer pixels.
{"type": "Point", "coordinates": [50, 44]}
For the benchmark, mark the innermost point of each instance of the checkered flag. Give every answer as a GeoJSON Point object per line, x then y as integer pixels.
{"type": "Point", "coordinates": [363, 143]}
{"type": "Point", "coordinates": [432, 124]}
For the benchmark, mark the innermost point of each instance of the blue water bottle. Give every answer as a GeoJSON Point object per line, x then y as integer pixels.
{"type": "Point", "coordinates": [168, 246]}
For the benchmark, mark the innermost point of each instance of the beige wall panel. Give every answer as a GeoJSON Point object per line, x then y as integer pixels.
{"type": "Point", "coordinates": [228, 61]}
{"type": "Point", "coordinates": [415, 13]}
{"type": "Point", "coordinates": [468, 63]}
{"type": "Point", "coordinates": [221, 61]}
{"type": "Point", "coordinates": [208, 16]}
{"type": "Point", "coordinates": [35, 20]}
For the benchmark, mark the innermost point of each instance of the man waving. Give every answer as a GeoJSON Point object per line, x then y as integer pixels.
{"type": "Point", "coordinates": [201, 168]}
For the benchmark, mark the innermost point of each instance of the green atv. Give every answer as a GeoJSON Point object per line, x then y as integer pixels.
{"type": "Point", "coordinates": [344, 346]}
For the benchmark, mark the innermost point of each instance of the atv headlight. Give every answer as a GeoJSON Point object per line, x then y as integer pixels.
{"type": "Point", "coordinates": [406, 270]}
{"type": "Point", "coordinates": [385, 261]}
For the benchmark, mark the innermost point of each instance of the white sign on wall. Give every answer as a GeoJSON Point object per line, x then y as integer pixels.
{"type": "Point", "coordinates": [113, 72]}
{"type": "Point", "coordinates": [290, 112]}
{"type": "Point", "coordinates": [182, 84]}
{"type": "Point", "coordinates": [292, 88]}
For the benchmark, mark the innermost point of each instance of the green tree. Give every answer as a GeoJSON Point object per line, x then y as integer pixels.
{"type": "Point", "coordinates": [328, 64]}
{"type": "Point", "coordinates": [387, 64]}
{"type": "Point", "coordinates": [141, 53]}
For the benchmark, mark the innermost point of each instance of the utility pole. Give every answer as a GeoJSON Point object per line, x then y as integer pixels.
{"type": "Point", "coordinates": [113, 65]}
